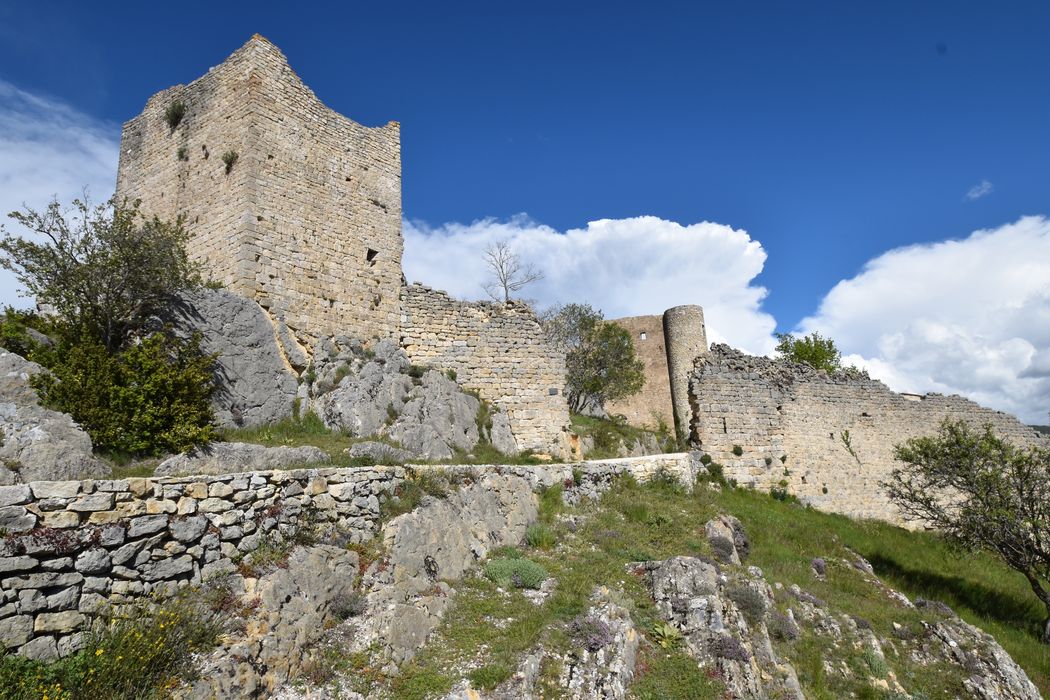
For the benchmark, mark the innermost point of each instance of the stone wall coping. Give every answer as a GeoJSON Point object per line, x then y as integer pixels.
{"type": "Point", "coordinates": [71, 489]}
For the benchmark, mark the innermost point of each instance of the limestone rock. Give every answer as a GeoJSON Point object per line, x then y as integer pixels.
{"type": "Point", "coordinates": [607, 671]}
{"type": "Point", "coordinates": [365, 402]}
{"type": "Point", "coordinates": [438, 419]}
{"type": "Point", "coordinates": [38, 444]}
{"type": "Point", "coordinates": [500, 434]}
{"type": "Point", "coordinates": [438, 542]}
{"type": "Point", "coordinates": [699, 601]}
{"type": "Point", "coordinates": [295, 606]}
{"type": "Point", "coordinates": [379, 453]}
{"type": "Point", "coordinates": [232, 457]}
{"type": "Point", "coordinates": [430, 416]}
{"type": "Point", "coordinates": [254, 384]}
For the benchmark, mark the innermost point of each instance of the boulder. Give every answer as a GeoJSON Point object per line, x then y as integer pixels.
{"type": "Point", "coordinates": [232, 457]}
{"type": "Point", "coordinates": [438, 419]}
{"type": "Point", "coordinates": [254, 383]}
{"type": "Point", "coordinates": [292, 606]}
{"type": "Point", "coordinates": [379, 453]}
{"type": "Point", "coordinates": [38, 444]}
{"type": "Point", "coordinates": [500, 434]}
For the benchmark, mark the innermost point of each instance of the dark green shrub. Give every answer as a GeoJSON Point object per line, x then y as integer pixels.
{"type": "Point", "coordinates": [705, 459]}
{"type": "Point", "coordinates": [174, 113]}
{"type": "Point", "coordinates": [151, 398]}
{"type": "Point", "coordinates": [17, 331]}
{"type": "Point", "coordinates": [520, 573]}
{"type": "Point", "coordinates": [738, 450]}
{"type": "Point", "coordinates": [229, 158]}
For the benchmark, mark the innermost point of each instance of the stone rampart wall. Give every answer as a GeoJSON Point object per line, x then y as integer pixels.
{"type": "Point", "coordinates": [497, 350]}
{"type": "Point", "coordinates": [307, 221]}
{"type": "Point", "coordinates": [69, 548]}
{"type": "Point", "coordinates": [830, 438]}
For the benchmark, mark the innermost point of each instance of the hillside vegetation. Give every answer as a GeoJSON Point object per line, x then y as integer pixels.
{"type": "Point", "coordinates": [491, 629]}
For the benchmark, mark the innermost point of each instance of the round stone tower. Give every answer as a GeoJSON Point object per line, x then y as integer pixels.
{"type": "Point", "coordinates": [685, 337]}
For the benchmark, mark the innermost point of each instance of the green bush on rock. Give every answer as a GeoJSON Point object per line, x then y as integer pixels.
{"type": "Point", "coordinates": [150, 398]}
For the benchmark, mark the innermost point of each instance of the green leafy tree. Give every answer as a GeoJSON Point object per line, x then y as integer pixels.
{"type": "Point", "coordinates": [104, 270]}
{"type": "Point", "coordinates": [600, 359]}
{"type": "Point", "coordinates": [813, 349]}
{"type": "Point", "coordinates": [981, 493]}
{"type": "Point", "coordinates": [106, 273]}
{"type": "Point", "coordinates": [150, 398]}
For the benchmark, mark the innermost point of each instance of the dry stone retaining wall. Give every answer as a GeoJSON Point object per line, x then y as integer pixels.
{"type": "Point", "coordinates": [497, 350]}
{"type": "Point", "coordinates": [307, 221]}
{"type": "Point", "coordinates": [72, 547]}
{"type": "Point", "coordinates": [831, 438]}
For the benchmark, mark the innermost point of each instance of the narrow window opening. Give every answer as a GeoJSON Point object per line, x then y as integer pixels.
{"type": "Point", "coordinates": [642, 336]}
{"type": "Point", "coordinates": [370, 256]}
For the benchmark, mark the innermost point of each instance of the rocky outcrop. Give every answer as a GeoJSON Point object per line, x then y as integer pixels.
{"type": "Point", "coordinates": [294, 604]}
{"type": "Point", "coordinates": [437, 419]}
{"type": "Point", "coordinates": [723, 624]}
{"type": "Point", "coordinates": [438, 542]}
{"type": "Point", "coordinates": [38, 443]}
{"type": "Point", "coordinates": [233, 457]}
{"type": "Point", "coordinates": [424, 411]}
{"type": "Point", "coordinates": [726, 618]}
{"type": "Point", "coordinates": [254, 384]}
{"type": "Point", "coordinates": [379, 453]}
{"type": "Point", "coordinates": [602, 664]}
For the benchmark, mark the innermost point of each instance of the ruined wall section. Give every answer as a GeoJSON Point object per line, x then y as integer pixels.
{"type": "Point", "coordinates": [652, 405]}
{"type": "Point", "coordinates": [830, 438]}
{"type": "Point", "coordinates": [308, 219]}
{"type": "Point", "coordinates": [497, 350]}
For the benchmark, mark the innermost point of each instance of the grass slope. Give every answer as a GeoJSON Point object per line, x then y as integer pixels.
{"type": "Point", "coordinates": [488, 631]}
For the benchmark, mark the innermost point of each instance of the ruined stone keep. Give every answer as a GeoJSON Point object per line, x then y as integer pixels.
{"type": "Point", "coordinates": [298, 208]}
{"type": "Point", "coordinates": [288, 202]}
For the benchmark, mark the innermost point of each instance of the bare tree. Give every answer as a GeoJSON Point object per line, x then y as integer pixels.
{"type": "Point", "coordinates": [509, 273]}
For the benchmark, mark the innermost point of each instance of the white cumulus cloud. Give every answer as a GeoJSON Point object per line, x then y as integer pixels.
{"type": "Point", "coordinates": [625, 267]}
{"type": "Point", "coordinates": [49, 149]}
{"type": "Point", "coordinates": [968, 316]}
{"type": "Point", "coordinates": [979, 190]}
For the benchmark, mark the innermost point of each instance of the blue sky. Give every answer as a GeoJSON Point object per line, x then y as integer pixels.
{"type": "Point", "coordinates": [830, 132]}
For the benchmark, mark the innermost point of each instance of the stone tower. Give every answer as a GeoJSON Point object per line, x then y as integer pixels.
{"type": "Point", "coordinates": [288, 203]}
{"type": "Point", "coordinates": [685, 338]}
